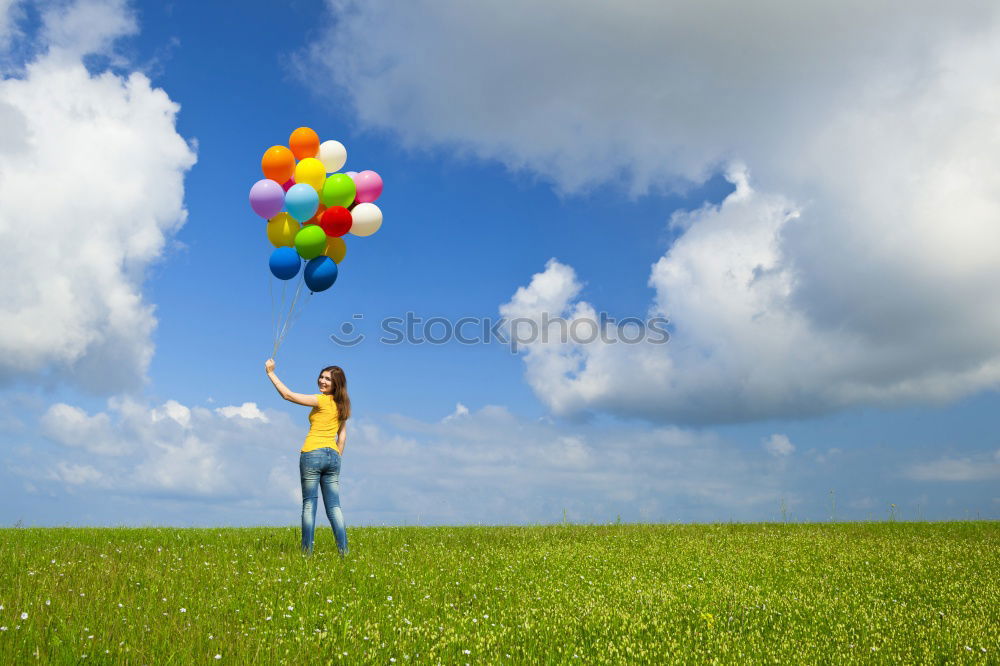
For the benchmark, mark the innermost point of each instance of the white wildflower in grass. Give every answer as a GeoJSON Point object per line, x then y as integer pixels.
{"type": "Point", "coordinates": [3, 628]}
{"type": "Point", "coordinates": [390, 596]}
{"type": "Point", "coordinates": [184, 610]}
{"type": "Point", "coordinates": [24, 616]}
{"type": "Point", "coordinates": [466, 651]}
{"type": "Point", "coordinates": [218, 656]}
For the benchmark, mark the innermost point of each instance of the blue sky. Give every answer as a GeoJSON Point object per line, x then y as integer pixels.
{"type": "Point", "coordinates": [826, 267]}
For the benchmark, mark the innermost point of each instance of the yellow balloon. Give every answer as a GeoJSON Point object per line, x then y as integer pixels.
{"type": "Point", "coordinates": [311, 172]}
{"type": "Point", "coordinates": [336, 248]}
{"type": "Point", "coordinates": [281, 230]}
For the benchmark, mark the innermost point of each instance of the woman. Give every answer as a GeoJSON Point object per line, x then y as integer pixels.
{"type": "Point", "coordinates": [319, 458]}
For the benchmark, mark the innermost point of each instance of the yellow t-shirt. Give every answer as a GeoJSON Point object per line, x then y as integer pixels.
{"type": "Point", "coordinates": [324, 422]}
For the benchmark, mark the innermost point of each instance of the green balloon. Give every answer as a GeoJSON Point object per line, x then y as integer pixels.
{"type": "Point", "coordinates": [338, 190]}
{"type": "Point", "coordinates": [310, 241]}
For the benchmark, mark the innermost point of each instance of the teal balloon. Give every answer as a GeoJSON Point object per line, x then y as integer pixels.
{"type": "Point", "coordinates": [320, 273]}
{"type": "Point", "coordinates": [310, 241]}
{"type": "Point", "coordinates": [301, 201]}
{"type": "Point", "coordinates": [338, 190]}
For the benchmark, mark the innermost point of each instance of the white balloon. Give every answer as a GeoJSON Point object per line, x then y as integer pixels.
{"type": "Point", "coordinates": [367, 218]}
{"type": "Point", "coordinates": [333, 155]}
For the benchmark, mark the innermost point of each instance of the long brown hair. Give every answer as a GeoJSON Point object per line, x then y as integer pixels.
{"type": "Point", "coordinates": [339, 382]}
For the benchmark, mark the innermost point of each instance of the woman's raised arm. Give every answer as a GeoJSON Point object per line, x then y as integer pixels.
{"type": "Point", "coordinates": [290, 396]}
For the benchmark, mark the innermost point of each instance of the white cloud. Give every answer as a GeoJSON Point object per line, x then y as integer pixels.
{"type": "Point", "coordinates": [73, 427]}
{"type": "Point", "coordinates": [283, 480]}
{"type": "Point", "coordinates": [460, 411]}
{"type": "Point", "coordinates": [983, 467]}
{"type": "Point", "coordinates": [174, 450]}
{"type": "Point", "coordinates": [248, 410]}
{"type": "Point", "coordinates": [859, 268]}
{"type": "Point", "coordinates": [658, 90]}
{"type": "Point", "coordinates": [779, 445]}
{"type": "Point", "coordinates": [77, 474]}
{"type": "Point", "coordinates": [73, 30]}
{"type": "Point", "coordinates": [98, 158]}
{"type": "Point", "coordinates": [489, 466]}
{"type": "Point", "coordinates": [174, 410]}
{"type": "Point", "coordinates": [492, 467]}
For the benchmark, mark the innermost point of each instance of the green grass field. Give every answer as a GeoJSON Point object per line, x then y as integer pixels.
{"type": "Point", "coordinates": [789, 593]}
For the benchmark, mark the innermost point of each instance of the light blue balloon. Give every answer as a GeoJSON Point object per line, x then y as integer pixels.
{"type": "Point", "coordinates": [301, 200]}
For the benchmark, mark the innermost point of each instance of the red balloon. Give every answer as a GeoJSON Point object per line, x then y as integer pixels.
{"type": "Point", "coordinates": [336, 221]}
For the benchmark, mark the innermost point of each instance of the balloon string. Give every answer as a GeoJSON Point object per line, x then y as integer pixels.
{"type": "Point", "coordinates": [293, 316]}
{"type": "Point", "coordinates": [289, 320]}
{"type": "Point", "coordinates": [284, 327]}
{"type": "Point", "coordinates": [274, 311]}
{"type": "Point", "coordinates": [296, 313]}
{"type": "Point", "coordinates": [278, 314]}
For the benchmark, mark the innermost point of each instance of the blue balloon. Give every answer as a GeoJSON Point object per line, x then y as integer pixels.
{"type": "Point", "coordinates": [301, 200]}
{"type": "Point", "coordinates": [320, 273]}
{"type": "Point", "coordinates": [285, 263]}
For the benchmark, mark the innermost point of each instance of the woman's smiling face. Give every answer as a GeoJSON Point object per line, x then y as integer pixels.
{"type": "Point", "coordinates": [325, 382]}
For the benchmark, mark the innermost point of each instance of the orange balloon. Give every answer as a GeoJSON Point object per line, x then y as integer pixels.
{"type": "Point", "coordinates": [304, 143]}
{"type": "Point", "coordinates": [278, 164]}
{"type": "Point", "coordinates": [315, 218]}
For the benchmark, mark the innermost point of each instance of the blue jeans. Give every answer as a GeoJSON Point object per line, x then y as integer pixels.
{"type": "Point", "coordinates": [321, 467]}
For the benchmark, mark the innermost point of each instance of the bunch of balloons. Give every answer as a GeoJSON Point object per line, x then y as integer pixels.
{"type": "Point", "coordinates": [309, 207]}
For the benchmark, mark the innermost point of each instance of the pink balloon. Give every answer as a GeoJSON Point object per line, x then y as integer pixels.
{"type": "Point", "coordinates": [369, 186]}
{"type": "Point", "coordinates": [288, 184]}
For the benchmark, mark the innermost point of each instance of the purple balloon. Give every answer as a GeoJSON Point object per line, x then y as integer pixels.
{"type": "Point", "coordinates": [369, 186]}
{"type": "Point", "coordinates": [267, 198]}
